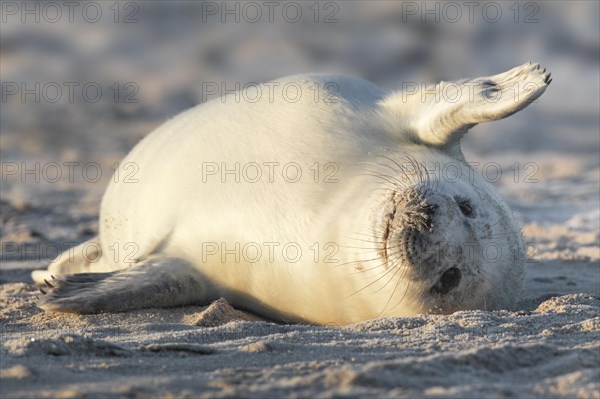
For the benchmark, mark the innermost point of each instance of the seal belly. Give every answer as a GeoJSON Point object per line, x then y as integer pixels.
{"type": "Point", "coordinates": [196, 165]}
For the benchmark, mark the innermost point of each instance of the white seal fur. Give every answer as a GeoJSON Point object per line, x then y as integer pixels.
{"type": "Point", "coordinates": [317, 204]}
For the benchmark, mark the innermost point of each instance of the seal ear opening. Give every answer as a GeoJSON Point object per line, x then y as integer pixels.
{"type": "Point", "coordinates": [439, 115]}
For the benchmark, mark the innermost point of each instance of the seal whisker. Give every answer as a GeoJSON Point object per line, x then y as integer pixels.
{"type": "Point", "coordinates": [487, 228]}
{"type": "Point", "coordinates": [403, 295]}
{"type": "Point", "coordinates": [393, 162]}
{"type": "Point", "coordinates": [389, 270]}
{"type": "Point", "coordinates": [392, 294]}
{"type": "Point", "coordinates": [415, 165]}
{"type": "Point", "coordinates": [351, 247]}
{"type": "Point", "coordinates": [401, 168]}
{"type": "Point", "coordinates": [410, 175]}
{"type": "Point", "coordinates": [382, 165]}
{"type": "Point", "coordinates": [388, 178]}
{"type": "Point", "coordinates": [385, 189]}
{"type": "Point", "coordinates": [389, 281]}
{"type": "Point", "coordinates": [356, 262]}
{"type": "Point", "coordinates": [369, 270]}
{"type": "Point", "coordinates": [364, 240]}
{"type": "Point", "coordinates": [397, 257]}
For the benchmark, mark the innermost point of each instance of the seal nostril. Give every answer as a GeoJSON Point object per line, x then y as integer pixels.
{"type": "Point", "coordinates": [449, 280]}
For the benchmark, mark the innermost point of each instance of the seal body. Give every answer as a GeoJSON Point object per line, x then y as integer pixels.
{"type": "Point", "coordinates": [336, 204]}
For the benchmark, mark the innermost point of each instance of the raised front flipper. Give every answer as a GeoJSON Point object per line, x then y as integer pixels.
{"type": "Point", "coordinates": [439, 115]}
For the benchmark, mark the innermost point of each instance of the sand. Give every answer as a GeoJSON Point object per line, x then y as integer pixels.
{"type": "Point", "coordinates": [552, 350]}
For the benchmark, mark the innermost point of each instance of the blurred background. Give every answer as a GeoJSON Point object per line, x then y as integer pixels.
{"type": "Point", "coordinates": [82, 82]}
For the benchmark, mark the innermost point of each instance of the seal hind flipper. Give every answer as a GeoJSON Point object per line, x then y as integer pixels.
{"type": "Point", "coordinates": [161, 282]}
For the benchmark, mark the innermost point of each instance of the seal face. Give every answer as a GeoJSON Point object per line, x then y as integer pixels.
{"type": "Point", "coordinates": [365, 227]}
{"type": "Point", "coordinates": [448, 244]}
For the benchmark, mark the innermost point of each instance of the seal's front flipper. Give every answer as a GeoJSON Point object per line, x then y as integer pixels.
{"type": "Point", "coordinates": [441, 114]}
{"type": "Point", "coordinates": [158, 282]}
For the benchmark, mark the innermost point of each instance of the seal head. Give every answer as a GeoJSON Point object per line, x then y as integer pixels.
{"type": "Point", "coordinates": [450, 246]}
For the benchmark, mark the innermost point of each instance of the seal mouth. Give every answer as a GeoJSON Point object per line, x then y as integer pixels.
{"type": "Point", "coordinates": [449, 280]}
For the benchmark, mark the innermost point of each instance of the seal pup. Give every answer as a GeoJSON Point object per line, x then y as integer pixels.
{"type": "Point", "coordinates": [317, 200]}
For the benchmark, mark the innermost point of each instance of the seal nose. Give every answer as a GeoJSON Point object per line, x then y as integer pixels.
{"type": "Point", "coordinates": [421, 217]}
{"type": "Point", "coordinates": [449, 280]}
{"type": "Point", "coordinates": [429, 210]}
{"type": "Point", "coordinates": [418, 209]}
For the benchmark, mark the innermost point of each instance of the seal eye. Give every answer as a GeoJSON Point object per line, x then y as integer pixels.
{"type": "Point", "coordinates": [465, 207]}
